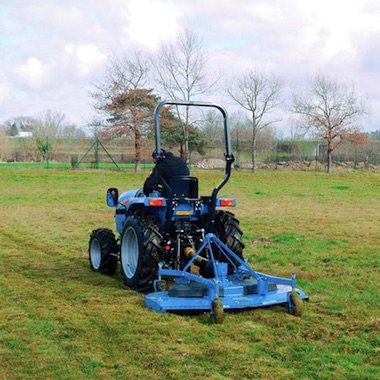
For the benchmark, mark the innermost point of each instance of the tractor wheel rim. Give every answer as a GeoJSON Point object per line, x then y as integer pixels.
{"type": "Point", "coordinates": [95, 254]}
{"type": "Point", "coordinates": [129, 252]}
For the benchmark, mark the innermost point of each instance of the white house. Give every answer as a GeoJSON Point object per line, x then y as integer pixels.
{"type": "Point", "coordinates": [24, 134]}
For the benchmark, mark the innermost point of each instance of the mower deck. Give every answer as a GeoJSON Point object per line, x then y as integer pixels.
{"type": "Point", "coordinates": [245, 288]}
{"type": "Point", "coordinates": [236, 299]}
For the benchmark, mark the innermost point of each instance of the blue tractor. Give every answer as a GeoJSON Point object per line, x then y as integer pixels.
{"type": "Point", "coordinates": [191, 240]}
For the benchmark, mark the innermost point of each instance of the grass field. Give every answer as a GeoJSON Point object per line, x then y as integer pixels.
{"type": "Point", "coordinates": [62, 165]}
{"type": "Point", "coordinates": [59, 320]}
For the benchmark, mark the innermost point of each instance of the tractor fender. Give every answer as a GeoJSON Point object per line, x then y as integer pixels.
{"type": "Point", "coordinates": [135, 200]}
{"type": "Point", "coordinates": [136, 193]}
{"type": "Point", "coordinates": [126, 200]}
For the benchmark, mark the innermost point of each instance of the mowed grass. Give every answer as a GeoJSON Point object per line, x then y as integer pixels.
{"type": "Point", "coordinates": [59, 320]}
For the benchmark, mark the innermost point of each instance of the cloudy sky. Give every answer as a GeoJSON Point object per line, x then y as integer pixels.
{"type": "Point", "coordinates": [52, 51]}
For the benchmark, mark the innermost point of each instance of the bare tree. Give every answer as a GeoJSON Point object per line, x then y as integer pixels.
{"type": "Point", "coordinates": [71, 131]}
{"type": "Point", "coordinates": [181, 73]}
{"type": "Point", "coordinates": [123, 74]}
{"type": "Point", "coordinates": [331, 111]}
{"type": "Point", "coordinates": [259, 94]}
{"type": "Point", "coordinates": [212, 125]}
{"type": "Point", "coordinates": [49, 124]}
{"type": "Point", "coordinates": [124, 100]}
{"type": "Point", "coordinates": [52, 124]}
{"type": "Point", "coordinates": [13, 126]}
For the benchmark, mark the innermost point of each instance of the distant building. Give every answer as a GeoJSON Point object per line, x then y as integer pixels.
{"type": "Point", "coordinates": [24, 134]}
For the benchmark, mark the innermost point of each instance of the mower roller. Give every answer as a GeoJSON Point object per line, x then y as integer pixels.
{"type": "Point", "coordinates": [184, 251]}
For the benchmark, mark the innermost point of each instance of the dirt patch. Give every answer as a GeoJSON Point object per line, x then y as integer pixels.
{"type": "Point", "coordinates": [212, 163]}
{"type": "Point", "coordinates": [287, 165]}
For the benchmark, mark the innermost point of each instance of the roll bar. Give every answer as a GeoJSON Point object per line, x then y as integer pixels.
{"type": "Point", "coordinates": [228, 153]}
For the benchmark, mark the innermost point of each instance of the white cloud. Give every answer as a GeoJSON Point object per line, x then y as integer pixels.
{"type": "Point", "coordinates": [33, 73]}
{"type": "Point", "coordinates": [5, 90]}
{"type": "Point", "coordinates": [89, 54]}
{"type": "Point", "coordinates": [86, 57]}
{"type": "Point", "coordinates": [53, 51]}
{"type": "Point", "coordinates": [152, 21]}
{"type": "Point", "coordinates": [337, 24]}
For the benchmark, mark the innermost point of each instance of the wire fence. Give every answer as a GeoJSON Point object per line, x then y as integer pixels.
{"type": "Point", "coordinates": [303, 155]}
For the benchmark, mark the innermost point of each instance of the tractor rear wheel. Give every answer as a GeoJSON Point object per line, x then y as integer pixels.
{"type": "Point", "coordinates": [102, 251]}
{"type": "Point", "coordinates": [140, 252]}
{"type": "Point", "coordinates": [228, 231]}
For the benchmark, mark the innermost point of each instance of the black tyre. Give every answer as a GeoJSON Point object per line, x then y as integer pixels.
{"type": "Point", "coordinates": [140, 252]}
{"type": "Point", "coordinates": [295, 304]}
{"type": "Point", "coordinates": [102, 251]}
{"type": "Point", "coordinates": [217, 311]}
{"type": "Point", "coordinates": [228, 231]}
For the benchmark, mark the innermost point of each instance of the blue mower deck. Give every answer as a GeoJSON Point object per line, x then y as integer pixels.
{"type": "Point", "coordinates": [162, 302]}
{"type": "Point", "coordinates": [245, 288]}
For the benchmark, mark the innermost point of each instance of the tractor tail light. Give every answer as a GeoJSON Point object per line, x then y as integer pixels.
{"type": "Point", "coordinates": [156, 202]}
{"type": "Point", "coordinates": [226, 202]}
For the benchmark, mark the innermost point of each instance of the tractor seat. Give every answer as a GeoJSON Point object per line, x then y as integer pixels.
{"type": "Point", "coordinates": [184, 186]}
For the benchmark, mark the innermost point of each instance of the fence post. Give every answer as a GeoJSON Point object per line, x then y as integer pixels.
{"type": "Point", "coordinates": [277, 156]}
{"type": "Point", "coordinates": [237, 151]}
{"type": "Point", "coordinates": [366, 161]}
{"type": "Point", "coordinates": [97, 154]}
{"type": "Point", "coordinates": [316, 155]}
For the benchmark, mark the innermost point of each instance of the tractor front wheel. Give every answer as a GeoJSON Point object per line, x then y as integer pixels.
{"type": "Point", "coordinates": [103, 251]}
{"type": "Point", "coordinates": [140, 252]}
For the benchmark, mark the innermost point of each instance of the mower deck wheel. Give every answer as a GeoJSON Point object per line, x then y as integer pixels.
{"type": "Point", "coordinates": [217, 311]}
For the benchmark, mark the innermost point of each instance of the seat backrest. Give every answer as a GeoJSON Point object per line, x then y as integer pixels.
{"type": "Point", "coordinates": [184, 187]}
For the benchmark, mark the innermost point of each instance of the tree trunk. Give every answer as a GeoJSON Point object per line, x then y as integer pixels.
{"type": "Point", "coordinates": [254, 152]}
{"type": "Point", "coordinates": [186, 136]}
{"type": "Point", "coordinates": [254, 165]}
{"type": "Point", "coordinates": [185, 152]}
{"type": "Point", "coordinates": [137, 150]}
{"type": "Point", "coordinates": [329, 160]}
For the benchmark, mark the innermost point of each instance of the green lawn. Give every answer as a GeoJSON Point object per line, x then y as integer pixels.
{"type": "Point", "coordinates": [59, 320]}
{"type": "Point", "coordinates": [62, 165]}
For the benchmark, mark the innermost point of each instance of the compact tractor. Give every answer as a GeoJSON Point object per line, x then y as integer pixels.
{"type": "Point", "coordinates": [184, 250]}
